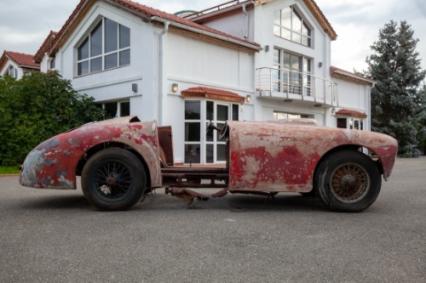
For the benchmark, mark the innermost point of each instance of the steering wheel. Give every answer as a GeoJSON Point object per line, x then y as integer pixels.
{"type": "Point", "coordinates": [223, 132]}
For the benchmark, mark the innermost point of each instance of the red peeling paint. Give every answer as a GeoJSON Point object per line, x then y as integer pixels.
{"type": "Point", "coordinates": [53, 163]}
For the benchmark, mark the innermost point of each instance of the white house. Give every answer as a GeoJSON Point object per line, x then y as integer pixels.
{"type": "Point", "coordinates": [17, 64]}
{"type": "Point", "coordinates": [243, 60]}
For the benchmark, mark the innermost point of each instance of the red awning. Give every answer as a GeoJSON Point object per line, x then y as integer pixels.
{"type": "Point", "coordinates": [351, 113]}
{"type": "Point", "coordinates": [212, 93]}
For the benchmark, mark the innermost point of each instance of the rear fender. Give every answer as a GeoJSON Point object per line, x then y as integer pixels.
{"type": "Point", "coordinates": [53, 163]}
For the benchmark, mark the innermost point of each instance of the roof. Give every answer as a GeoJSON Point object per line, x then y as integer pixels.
{"type": "Point", "coordinates": [351, 113]}
{"type": "Point", "coordinates": [349, 76]}
{"type": "Point", "coordinates": [21, 59]}
{"type": "Point", "coordinates": [150, 14]}
{"type": "Point", "coordinates": [45, 46]}
{"type": "Point", "coordinates": [213, 93]}
{"type": "Point", "coordinates": [227, 7]}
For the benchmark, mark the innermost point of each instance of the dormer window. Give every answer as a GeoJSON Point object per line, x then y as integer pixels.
{"type": "Point", "coordinates": [289, 25]}
{"type": "Point", "coordinates": [106, 47]}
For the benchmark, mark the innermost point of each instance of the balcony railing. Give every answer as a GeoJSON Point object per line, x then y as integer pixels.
{"type": "Point", "coordinates": [217, 8]}
{"type": "Point", "coordinates": [294, 85]}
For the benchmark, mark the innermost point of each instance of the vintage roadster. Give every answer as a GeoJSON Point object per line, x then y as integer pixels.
{"type": "Point", "coordinates": [122, 160]}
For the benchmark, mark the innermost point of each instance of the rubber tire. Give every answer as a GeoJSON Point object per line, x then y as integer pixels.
{"type": "Point", "coordinates": [322, 178]}
{"type": "Point", "coordinates": [138, 184]}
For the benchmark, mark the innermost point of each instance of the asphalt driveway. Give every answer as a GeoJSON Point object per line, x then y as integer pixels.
{"type": "Point", "coordinates": [54, 236]}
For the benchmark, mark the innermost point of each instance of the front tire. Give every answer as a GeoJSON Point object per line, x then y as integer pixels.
{"type": "Point", "coordinates": [348, 181]}
{"type": "Point", "coordinates": [113, 179]}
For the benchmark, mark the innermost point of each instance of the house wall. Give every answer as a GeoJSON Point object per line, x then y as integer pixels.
{"type": "Point", "coordinates": [211, 65]}
{"type": "Point", "coordinates": [240, 24]}
{"type": "Point", "coordinates": [354, 96]}
{"type": "Point", "coordinates": [117, 83]}
{"type": "Point", "coordinates": [257, 24]}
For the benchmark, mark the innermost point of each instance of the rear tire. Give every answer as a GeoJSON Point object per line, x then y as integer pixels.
{"type": "Point", "coordinates": [113, 179]}
{"type": "Point", "coordinates": [348, 181]}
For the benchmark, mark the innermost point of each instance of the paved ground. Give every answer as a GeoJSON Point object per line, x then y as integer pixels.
{"type": "Point", "coordinates": [54, 236]}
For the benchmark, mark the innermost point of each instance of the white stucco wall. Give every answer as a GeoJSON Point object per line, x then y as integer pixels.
{"type": "Point", "coordinates": [193, 62]}
{"type": "Point", "coordinates": [355, 96]}
{"type": "Point", "coordinates": [117, 83]}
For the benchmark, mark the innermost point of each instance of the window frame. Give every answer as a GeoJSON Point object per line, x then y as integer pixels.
{"type": "Point", "coordinates": [351, 123]}
{"type": "Point", "coordinates": [277, 113]}
{"type": "Point", "coordinates": [88, 36]}
{"type": "Point", "coordinates": [282, 72]}
{"type": "Point", "coordinates": [118, 107]}
{"type": "Point", "coordinates": [294, 11]}
{"type": "Point", "coordinates": [203, 128]}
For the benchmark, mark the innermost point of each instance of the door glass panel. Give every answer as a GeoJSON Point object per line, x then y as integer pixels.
{"type": "Point", "coordinates": [221, 152]}
{"type": "Point", "coordinates": [209, 153]}
{"type": "Point", "coordinates": [222, 112]}
{"type": "Point", "coordinates": [210, 110]}
{"type": "Point", "coordinates": [235, 112]}
{"type": "Point", "coordinates": [192, 110]}
{"type": "Point", "coordinates": [192, 153]}
{"type": "Point", "coordinates": [192, 131]}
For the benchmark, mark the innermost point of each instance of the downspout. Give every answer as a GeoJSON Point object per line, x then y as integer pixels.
{"type": "Point", "coordinates": [245, 12]}
{"type": "Point", "coordinates": [161, 77]}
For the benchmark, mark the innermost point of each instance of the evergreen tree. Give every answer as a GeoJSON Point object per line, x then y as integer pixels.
{"type": "Point", "coordinates": [396, 101]}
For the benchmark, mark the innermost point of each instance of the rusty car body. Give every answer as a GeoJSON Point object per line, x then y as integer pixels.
{"type": "Point", "coordinates": [342, 167]}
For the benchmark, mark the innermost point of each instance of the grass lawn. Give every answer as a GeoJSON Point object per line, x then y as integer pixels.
{"type": "Point", "coordinates": [9, 170]}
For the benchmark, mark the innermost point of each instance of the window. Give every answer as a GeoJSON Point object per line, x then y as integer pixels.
{"type": "Point", "coordinates": [278, 115]}
{"type": "Point", "coordinates": [114, 109]}
{"type": "Point", "coordinates": [203, 145]}
{"type": "Point", "coordinates": [52, 63]}
{"type": "Point", "coordinates": [342, 123]}
{"type": "Point", "coordinates": [106, 47]}
{"type": "Point", "coordinates": [292, 73]}
{"type": "Point", "coordinates": [192, 131]}
{"type": "Point", "coordinates": [350, 123]}
{"type": "Point", "coordinates": [289, 25]}
{"type": "Point", "coordinates": [12, 72]}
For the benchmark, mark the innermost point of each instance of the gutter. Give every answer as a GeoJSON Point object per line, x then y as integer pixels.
{"type": "Point", "coordinates": [207, 33]}
{"type": "Point", "coordinates": [161, 72]}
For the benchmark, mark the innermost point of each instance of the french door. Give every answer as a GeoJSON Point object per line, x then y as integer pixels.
{"type": "Point", "coordinates": [203, 144]}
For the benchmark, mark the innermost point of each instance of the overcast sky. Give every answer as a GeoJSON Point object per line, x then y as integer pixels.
{"type": "Point", "coordinates": [24, 24]}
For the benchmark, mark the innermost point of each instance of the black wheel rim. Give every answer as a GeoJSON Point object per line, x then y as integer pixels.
{"type": "Point", "coordinates": [113, 180]}
{"type": "Point", "coordinates": [349, 182]}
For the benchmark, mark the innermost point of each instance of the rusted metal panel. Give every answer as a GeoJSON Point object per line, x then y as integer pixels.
{"type": "Point", "coordinates": [53, 163]}
{"type": "Point", "coordinates": [274, 157]}
{"type": "Point", "coordinates": [166, 142]}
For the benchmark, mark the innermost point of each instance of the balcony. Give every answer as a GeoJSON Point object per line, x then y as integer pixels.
{"type": "Point", "coordinates": [289, 85]}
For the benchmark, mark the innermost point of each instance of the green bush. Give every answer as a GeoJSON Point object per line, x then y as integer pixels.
{"type": "Point", "coordinates": [35, 108]}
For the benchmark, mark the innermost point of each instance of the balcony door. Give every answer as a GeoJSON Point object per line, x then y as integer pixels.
{"type": "Point", "coordinates": [293, 73]}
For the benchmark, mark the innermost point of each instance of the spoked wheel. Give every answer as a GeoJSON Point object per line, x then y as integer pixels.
{"type": "Point", "coordinates": [348, 181]}
{"type": "Point", "coordinates": [114, 179]}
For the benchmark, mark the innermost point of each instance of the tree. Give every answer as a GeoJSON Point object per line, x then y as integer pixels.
{"type": "Point", "coordinates": [37, 107]}
{"type": "Point", "coordinates": [395, 66]}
